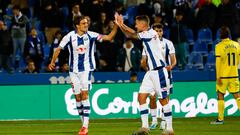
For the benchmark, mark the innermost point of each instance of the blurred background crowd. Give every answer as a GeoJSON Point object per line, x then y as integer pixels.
{"type": "Point", "coordinates": [30, 30]}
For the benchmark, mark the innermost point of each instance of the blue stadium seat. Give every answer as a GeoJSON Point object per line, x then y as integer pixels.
{"type": "Point", "coordinates": [205, 34]}
{"type": "Point", "coordinates": [200, 47]}
{"type": "Point", "coordinates": [9, 11]}
{"type": "Point", "coordinates": [131, 13]}
{"type": "Point", "coordinates": [195, 61]}
{"type": "Point", "coordinates": [213, 46]}
{"type": "Point", "coordinates": [190, 37]}
{"type": "Point", "coordinates": [8, 23]}
{"type": "Point", "coordinates": [65, 11]}
{"type": "Point", "coordinates": [46, 49]}
{"type": "Point", "coordinates": [210, 65]}
{"type": "Point", "coordinates": [166, 33]}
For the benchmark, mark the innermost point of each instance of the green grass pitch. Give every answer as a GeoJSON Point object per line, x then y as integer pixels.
{"type": "Point", "coordinates": [182, 126]}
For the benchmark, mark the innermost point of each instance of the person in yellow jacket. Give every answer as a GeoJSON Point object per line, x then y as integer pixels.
{"type": "Point", "coordinates": [227, 61]}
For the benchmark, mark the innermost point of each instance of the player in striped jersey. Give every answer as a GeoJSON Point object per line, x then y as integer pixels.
{"type": "Point", "coordinates": [81, 45]}
{"type": "Point", "coordinates": [156, 79]}
{"type": "Point", "coordinates": [168, 52]}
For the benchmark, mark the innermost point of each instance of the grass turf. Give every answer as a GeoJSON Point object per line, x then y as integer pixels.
{"type": "Point", "coordinates": [182, 126]}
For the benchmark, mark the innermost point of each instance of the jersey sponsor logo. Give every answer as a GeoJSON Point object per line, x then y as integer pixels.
{"type": "Point", "coordinates": [81, 49]}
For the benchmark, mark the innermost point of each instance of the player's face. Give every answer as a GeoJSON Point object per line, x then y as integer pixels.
{"type": "Point", "coordinates": [159, 31]}
{"type": "Point", "coordinates": [83, 25]}
{"type": "Point", "coordinates": [140, 25]}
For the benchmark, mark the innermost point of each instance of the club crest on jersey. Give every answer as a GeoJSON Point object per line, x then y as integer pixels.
{"type": "Point", "coordinates": [81, 49]}
{"type": "Point", "coordinates": [85, 39]}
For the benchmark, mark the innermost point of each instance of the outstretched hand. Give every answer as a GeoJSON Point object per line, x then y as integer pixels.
{"type": "Point", "coordinates": [118, 19]}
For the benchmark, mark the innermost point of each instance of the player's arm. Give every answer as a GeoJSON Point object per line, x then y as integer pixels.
{"type": "Point", "coordinates": [111, 35]}
{"type": "Point", "coordinates": [128, 32]}
{"type": "Point", "coordinates": [172, 56]}
{"type": "Point", "coordinates": [62, 44]}
{"type": "Point", "coordinates": [51, 66]}
{"type": "Point", "coordinates": [173, 62]}
{"type": "Point", "coordinates": [218, 65]}
{"type": "Point", "coordinates": [144, 62]}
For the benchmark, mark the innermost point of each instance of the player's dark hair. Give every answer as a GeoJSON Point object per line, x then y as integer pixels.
{"type": "Point", "coordinates": [224, 32]}
{"type": "Point", "coordinates": [77, 19]}
{"type": "Point", "coordinates": [144, 18]}
{"type": "Point", "coordinates": [157, 25]}
{"type": "Point", "coordinates": [16, 7]}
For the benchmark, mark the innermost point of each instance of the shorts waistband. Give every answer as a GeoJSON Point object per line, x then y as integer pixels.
{"type": "Point", "coordinates": [158, 68]}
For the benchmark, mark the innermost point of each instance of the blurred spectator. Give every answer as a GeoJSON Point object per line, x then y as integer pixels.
{"type": "Point", "coordinates": [5, 48]}
{"type": "Point", "coordinates": [158, 18]}
{"type": "Point", "coordinates": [144, 9]}
{"type": "Point", "coordinates": [91, 26]}
{"type": "Point", "coordinates": [30, 68]}
{"type": "Point", "coordinates": [23, 5]}
{"type": "Point", "coordinates": [158, 7]}
{"type": "Point", "coordinates": [64, 68]}
{"type": "Point", "coordinates": [107, 51]}
{"type": "Point", "coordinates": [18, 31]}
{"type": "Point", "coordinates": [227, 15]}
{"type": "Point", "coordinates": [33, 49]}
{"type": "Point", "coordinates": [98, 6]}
{"type": "Point", "coordinates": [178, 37]}
{"type": "Point", "coordinates": [129, 57]}
{"type": "Point", "coordinates": [63, 56]}
{"type": "Point", "coordinates": [206, 15]}
{"type": "Point", "coordinates": [102, 24]}
{"type": "Point", "coordinates": [52, 21]}
{"type": "Point", "coordinates": [3, 7]}
{"type": "Point", "coordinates": [75, 12]}
{"type": "Point", "coordinates": [133, 77]}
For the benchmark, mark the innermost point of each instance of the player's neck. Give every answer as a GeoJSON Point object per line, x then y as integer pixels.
{"type": "Point", "coordinates": [80, 33]}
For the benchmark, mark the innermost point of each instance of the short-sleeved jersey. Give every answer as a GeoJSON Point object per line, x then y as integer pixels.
{"type": "Point", "coordinates": [167, 50]}
{"type": "Point", "coordinates": [228, 51]}
{"type": "Point", "coordinates": [81, 50]}
{"type": "Point", "coordinates": [152, 48]}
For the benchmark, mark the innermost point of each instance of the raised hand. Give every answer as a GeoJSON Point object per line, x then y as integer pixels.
{"type": "Point", "coordinates": [118, 19]}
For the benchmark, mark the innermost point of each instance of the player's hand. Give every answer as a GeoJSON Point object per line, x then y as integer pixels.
{"type": "Point", "coordinates": [118, 19]}
{"type": "Point", "coordinates": [169, 68]}
{"type": "Point", "coordinates": [51, 66]}
{"type": "Point", "coordinates": [219, 81]}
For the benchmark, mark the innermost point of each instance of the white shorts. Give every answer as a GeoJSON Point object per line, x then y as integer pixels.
{"type": "Point", "coordinates": [156, 81]}
{"type": "Point", "coordinates": [81, 81]}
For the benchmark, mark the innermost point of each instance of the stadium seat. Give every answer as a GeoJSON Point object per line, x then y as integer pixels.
{"type": "Point", "coordinates": [46, 49]}
{"type": "Point", "coordinates": [190, 38]}
{"type": "Point", "coordinates": [8, 23]}
{"type": "Point", "coordinates": [213, 46]}
{"type": "Point", "coordinates": [200, 47]}
{"type": "Point", "coordinates": [131, 13]}
{"type": "Point", "coordinates": [9, 11]}
{"type": "Point", "coordinates": [195, 61]}
{"type": "Point", "coordinates": [205, 34]}
{"type": "Point", "coordinates": [166, 33]}
{"type": "Point", "coordinates": [210, 65]}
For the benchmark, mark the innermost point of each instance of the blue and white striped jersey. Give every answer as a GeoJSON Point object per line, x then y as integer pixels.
{"type": "Point", "coordinates": [167, 48]}
{"type": "Point", "coordinates": [81, 50]}
{"type": "Point", "coordinates": [152, 47]}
